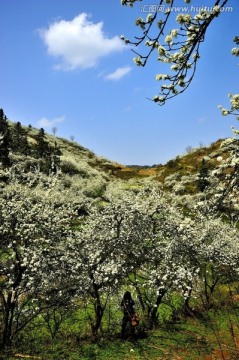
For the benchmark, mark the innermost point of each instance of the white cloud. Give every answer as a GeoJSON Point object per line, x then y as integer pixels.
{"type": "Point", "coordinates": [79, 43]}
{"type": "Point", "coordinates": [44, 122]}
{"type": "Point", "coordinates": [118, 73]}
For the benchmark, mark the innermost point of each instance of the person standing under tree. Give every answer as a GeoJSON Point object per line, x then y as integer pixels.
{"type": "Point", "coordinates": [127, 306]}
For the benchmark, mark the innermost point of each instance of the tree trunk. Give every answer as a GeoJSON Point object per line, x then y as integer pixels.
{"type": "Point", "coordinates": [153, 313]}
{"type": "Point", "coordinates": [8, 312]}
{"type": "Point", "coordinates": [99, 310]}
{"type": "Point", "coordinates": [140, 297]}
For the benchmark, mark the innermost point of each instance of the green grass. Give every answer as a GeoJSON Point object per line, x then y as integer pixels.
{"type": "Point", "coordinates": [189, 339]}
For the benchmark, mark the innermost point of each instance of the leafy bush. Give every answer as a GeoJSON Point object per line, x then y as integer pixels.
{"type": "Point", "coordinates": [165, 314]}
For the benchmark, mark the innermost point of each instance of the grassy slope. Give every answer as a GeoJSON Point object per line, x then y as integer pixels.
{"type": "Point", "coordinates": [189, 339]}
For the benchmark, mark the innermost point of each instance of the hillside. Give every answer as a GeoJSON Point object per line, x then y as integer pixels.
{"type": "Point", "coordinates": [184, 168]}
{"type": "Point", "coordinates": [32, 148]}
{"type": "Point", "coordinates": [78, 168]}
{"type": "Point", "coordinates": [75, 155]}
{"type": "Point", "coordinates": [179, 174]}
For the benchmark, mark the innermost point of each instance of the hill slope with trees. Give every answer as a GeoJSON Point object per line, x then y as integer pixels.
{"type": "Point", "coordinates": [74, 236]}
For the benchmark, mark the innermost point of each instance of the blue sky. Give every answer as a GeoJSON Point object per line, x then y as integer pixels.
{"type": "Point", "coordinates": [63, 65]}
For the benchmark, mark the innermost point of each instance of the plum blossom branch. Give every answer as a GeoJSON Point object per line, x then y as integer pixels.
{"type": "Point", "coordinates": [179, 48]}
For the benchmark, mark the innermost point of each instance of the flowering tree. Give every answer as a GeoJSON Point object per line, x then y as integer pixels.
{"type": "Point", "coordinates": [179, 47]}
{"type": "Point", "coordinates": [234, 98]}
{"type": "Point", "coordinates": [224, 180]}
{"type": "Point", "coordinates": [204, 254]}
{"type": "Point", "coordinates": [126, 240]}
{"type": "Point", "coordinates": [116, 235]}
{"type": "Point", "coordinates": [150, 241]}
{"type": "Point", "coordinates": [35, 231]}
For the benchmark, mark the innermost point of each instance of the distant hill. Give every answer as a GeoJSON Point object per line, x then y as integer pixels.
{"type": "Point", "coordinates": [82, 166]}
{"type": "Point", "coordinates": [184, 165]}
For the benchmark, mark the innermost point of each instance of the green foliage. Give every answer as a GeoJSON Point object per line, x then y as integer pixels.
{"type": "Point", "coordinates": [41, 148]}
{"type": "Point", "coordinates": [49, 154]}
{"type": "Point", "coordinates": [165, 314]}
{"type": "Point", "coordinates": [69, 167]}
{"type": "Point", "coordinates": [203, 182]}
{"type": "Point", "coordinates": [173, 164]}
{"type": "Point", "coordinates": [5, 140]}
{"type": "Point", "coordinates": [19, 140]}
{"type": "Point", "coordinates": [177, 304]}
